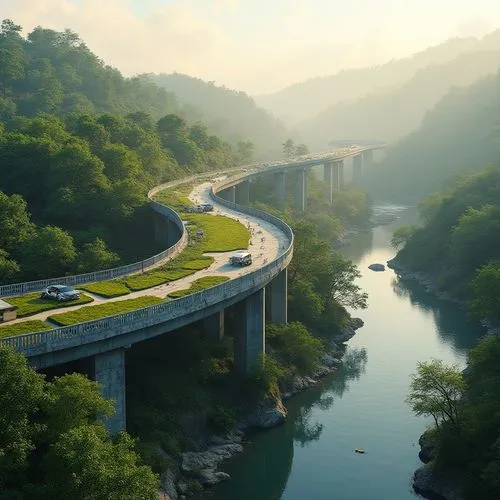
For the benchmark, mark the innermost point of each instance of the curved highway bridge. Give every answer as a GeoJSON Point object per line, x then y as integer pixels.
{"type": "Point", "coordinates": [104, 340]}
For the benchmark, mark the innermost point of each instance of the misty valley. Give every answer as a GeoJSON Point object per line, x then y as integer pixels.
{"type": "Point", "coordinates": [247, 253]}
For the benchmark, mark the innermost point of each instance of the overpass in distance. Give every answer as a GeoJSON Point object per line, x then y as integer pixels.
{"type": "Point", "coordinates": [260, 291]}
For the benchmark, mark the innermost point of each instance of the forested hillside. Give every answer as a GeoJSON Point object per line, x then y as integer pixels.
{"type": "Point", "coordinates": [391, 114]}
{"type": "Point", "coordinates": [459, 134]}
{"type": "Point", "coordinates": [55, 72]}
{"type": "Point", "coordinates": [306, 99]}
{"type": "Point", "coordinates": [461, 235]}
{"type": "Point", "coordinates": [73, 181]}
{"type": "Point", "coordinates": [229, 113]}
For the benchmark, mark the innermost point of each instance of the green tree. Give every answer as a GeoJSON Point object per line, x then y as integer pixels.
{"type": "Point", "coordinates": [485, 301]}
{"type": "Point", "coordinates": [8, 267]}
{"type": "Point", "coordinates": [84, 464]}
{"type": "Point", "coordinates": [49, 252]}
{"type": "Point", "coordinates": [402, 234]}
{"type": "Point", "coordinates": [21, 394]}
{"type": "Point", "coordinates": [436, 390]}
{"type": "Point", "coordinates": [297, 347]}
{"type": "Point", "coordinates": [301, 150]}
{"type": "Point", "coordinates": [245, 151]}
{"type": "Point", "coordinates": [96, 256]}
{"type": "Point", "coordinates": [79, 394]}
{"type": "Point", "coordinates": [288, 148]}
{"type": "Point", "coordinates": [15, 225]}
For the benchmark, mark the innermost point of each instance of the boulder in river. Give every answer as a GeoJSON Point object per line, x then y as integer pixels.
{"type": "Point", "coordinates": [377, 267]}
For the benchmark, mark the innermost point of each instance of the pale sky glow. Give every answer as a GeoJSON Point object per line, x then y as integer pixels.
{"type": "Point", "coordinates": [255, 45]}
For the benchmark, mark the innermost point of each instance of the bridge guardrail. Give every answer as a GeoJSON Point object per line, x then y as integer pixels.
{"type": "Point", "coordinates": [38, 343]}
{"type": "Point", "coordinates": [108, 274]}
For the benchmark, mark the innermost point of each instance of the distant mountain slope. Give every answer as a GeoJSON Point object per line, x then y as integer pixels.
{"type": "Point", "coordinates": [306, 99]}
{"type": "Point", "coordinates": [392, 114]}
{"type": "Point", "coordinates": [228, 113]}
{"type": "Point", "coordinates": [460, 134]}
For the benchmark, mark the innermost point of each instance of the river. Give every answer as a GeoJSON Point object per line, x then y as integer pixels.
{"type": "Point", "coordinates": [361, 406]}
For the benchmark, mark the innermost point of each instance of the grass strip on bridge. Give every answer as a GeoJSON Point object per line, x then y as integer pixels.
{"type": "Point", "coordinates": [199, 285]}
{"type": "Point", "coordinates": [108, 289]}
{"type": "Point", "coordinates": [24, 327]}
{"type": "Point", "coordinates": [104, 310]}
{"type": "Point", "coordinates": [32, 303]}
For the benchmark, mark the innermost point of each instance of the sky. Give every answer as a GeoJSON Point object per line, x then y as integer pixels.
{"type": "Point", "coordinates": [258, 46]}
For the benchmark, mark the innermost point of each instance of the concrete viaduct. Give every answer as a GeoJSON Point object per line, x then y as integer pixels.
{"type": "Point", "coordinates": [259, 295]}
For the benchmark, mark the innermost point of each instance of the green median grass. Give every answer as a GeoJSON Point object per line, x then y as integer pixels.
{"type": "Point", "coordinates": [176, 197]}
{"type": "Point", "coordinates": [108, 289]}
{"type": "Point", "coordinates": [199, 285]}
{"type": "Point", "coordinates": [103, 310]}
{"type": "Point", "coordinates": [32, 303]}
{"type": "Point", "coordinates": [24, 327]}
{"type": "Point", "coordinates": [198, 264]}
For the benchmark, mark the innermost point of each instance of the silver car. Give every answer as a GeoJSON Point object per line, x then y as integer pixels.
{"type": "Point", "coordinates": [61, 293]}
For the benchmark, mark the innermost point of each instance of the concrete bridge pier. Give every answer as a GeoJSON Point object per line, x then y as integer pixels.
{"type": "Point", "coordinates": [301, 190]}
{"type": "Point", "coordinates": [162, 230]}
{"type": "Point", "coordinates": [357, 169]}
{"type": "Point", "coordinates": [242, 193]}
{"type": "Point", "coordinates": [336, 176]}
{"type": "Point", "coordinates": [328, 174]}
{"type": "Point", "coordinates": [341, 174]}
{"type": "Point", "coordinates": [280, 188]}
{"type": "Point", "coordinates": [231, 194]}
{"type": "Point", "coordinates": [109, 372]}
{"type": "Point", "coordinates": [276, 299]}
{"type": "Point", "coordinates": [367, 158]}
{"type": "Point", "coordinates": [213, 327]}
{"type": "Point", "coordinates": [249, 342]}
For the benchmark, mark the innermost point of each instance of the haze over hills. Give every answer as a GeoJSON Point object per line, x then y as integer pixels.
{"type": "Point", "coordinates": [391, 114]}
{"type": "Point", "coordinates": [306, 99]}
{"type": "Point", "coordinates": [229, 113]}
{"type": "Point", "coordinates": [459, 134]}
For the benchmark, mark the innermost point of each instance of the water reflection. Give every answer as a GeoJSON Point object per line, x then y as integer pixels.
{"type": "Point", "coordinates": [270, 454]}
{"type": "Point", "coordinates": [453, 325]}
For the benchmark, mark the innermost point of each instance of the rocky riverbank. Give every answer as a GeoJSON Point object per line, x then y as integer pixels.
{"type": "Point", "coordinates": [433, 484]}
{"type": "Point", "coordinates": [424, 279]}
{"type": "Point", "coordinates": [196, 470]}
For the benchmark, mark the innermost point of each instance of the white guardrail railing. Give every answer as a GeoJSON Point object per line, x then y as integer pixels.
{"type": "Point", "coordinates": [108, 274]}
{"type": "Point", "coordinates": [37, 343]}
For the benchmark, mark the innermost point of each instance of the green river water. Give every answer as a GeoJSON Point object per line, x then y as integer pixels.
{"type": "Point", "coordinates": [362, 405]}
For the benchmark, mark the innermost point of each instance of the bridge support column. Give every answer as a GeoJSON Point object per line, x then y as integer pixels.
{"type": "Point", "coordinates": [336, 177]}
{"type": "Point", "coordinates": [213, 327]}
{"type": "Point", "coordinates": [367, 158]}
{"type": "Point", "coordinates": [243, 193]}
{"type": "Point", "coordinates": [280, 188]}
{"type": "Point", "coordinates": [341, 174]}
{"type": "Point", "coordinates": [276, 299]}
{"type": "Point", "coordinates": [328, 173]}
{"type": "Point", "coordinates": [109, 372]}
{"type": "Point", "coordinates": [301, 190]}
{"type": "Point", "coordinates": [250, 336]}
{"type": "Point", "coordinates": [231, 194]}
{"type": "Point", "coordinates": [357, 169]}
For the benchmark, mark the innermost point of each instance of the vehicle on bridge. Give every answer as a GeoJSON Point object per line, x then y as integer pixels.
{"type": "Point", "coordinates": [61, 293]}
{"type": "Point", "coordinates": [241, 259]}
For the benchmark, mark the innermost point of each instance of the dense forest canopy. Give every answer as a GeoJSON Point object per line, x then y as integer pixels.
{"type": "Point", "coordinates": [229, 113]}
{"type": "Point", "coordinates": [80, 146]}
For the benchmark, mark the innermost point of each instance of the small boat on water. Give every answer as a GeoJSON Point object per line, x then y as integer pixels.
{"type": "Point", "coordinates": [359, 450]}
